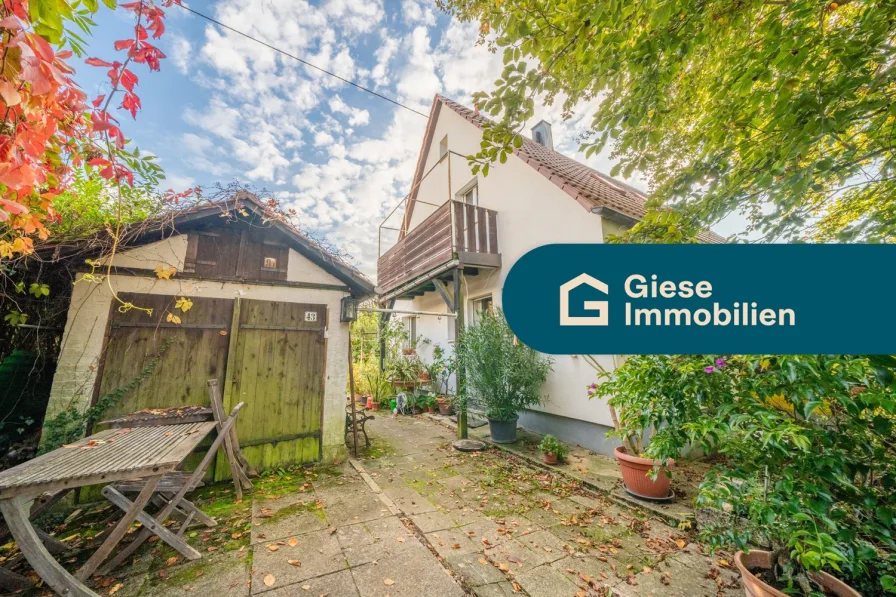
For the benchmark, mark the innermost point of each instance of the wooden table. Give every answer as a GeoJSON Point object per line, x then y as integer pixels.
{"type": "Point", "coordinates": [109, 456]}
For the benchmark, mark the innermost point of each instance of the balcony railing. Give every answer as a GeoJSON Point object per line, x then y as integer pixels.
{"type": "Point", "coordinates": [454, 230]}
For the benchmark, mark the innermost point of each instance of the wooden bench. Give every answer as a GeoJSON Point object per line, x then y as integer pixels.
{"type": "Point", "coordinates": [361, 418]}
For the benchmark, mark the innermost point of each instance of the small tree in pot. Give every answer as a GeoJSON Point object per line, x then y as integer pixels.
{"type": "Point", "coordinates": [504, 373]}
{"type": "Point", "coordinates": [651, 398]}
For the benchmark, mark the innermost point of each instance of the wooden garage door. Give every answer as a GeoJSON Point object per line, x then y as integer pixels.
{"type": "Point", "coordinates": [196, 352]}
{"type": "Point", "coordinates": [276, 366]}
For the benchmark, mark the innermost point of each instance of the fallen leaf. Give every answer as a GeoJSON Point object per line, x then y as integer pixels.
{"type": "Point", "coordinates": [171, 561]}
{"type": "Point", "coordinates": [269, 580]}
{"type": "Point", "coordinates": [680, 543]}
{"type": "Point", "coordinates": [388, 582]}
{"type": "Point", "coordinates": [456, 546]}
{"type": "Point", "coordinates": [292, 542]}
{"type": "Point", "coordinates": [400, 539]}
{"type": "Point", "coordinates": [546, 548]}
{"type": "Point", "coordinates": [294, 562]}
{"type": "Point", "coordinates": [306, 587]}
{"type": "Point", "coordinates": [273, 547]}
{"type": "Point", "coordinates": [115, 589]}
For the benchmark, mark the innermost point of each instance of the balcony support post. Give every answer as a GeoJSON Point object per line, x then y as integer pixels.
{"type": "Point", "coordinates": [380, 332]}
{"type": "Point", "coordinates": [458, 330]}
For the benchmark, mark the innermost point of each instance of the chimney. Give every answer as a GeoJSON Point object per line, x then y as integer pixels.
{"type": "Point", "coordinates": [541, 134]}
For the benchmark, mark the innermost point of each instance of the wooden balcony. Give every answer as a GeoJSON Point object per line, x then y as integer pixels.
{"type": "Point", "coordinates": [455, 231]}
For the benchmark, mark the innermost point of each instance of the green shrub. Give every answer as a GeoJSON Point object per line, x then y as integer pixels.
{"type": "Point", "coordinates": [808, 454]}
{"type": "Point", "coordinates": [502, 372]}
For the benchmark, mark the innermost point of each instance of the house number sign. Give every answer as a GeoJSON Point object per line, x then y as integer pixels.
{"type": "Point", "coordinates": [311, 316]}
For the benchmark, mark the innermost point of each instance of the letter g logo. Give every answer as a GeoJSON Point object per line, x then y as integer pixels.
{"type": "Point", "coordinates": [601, 307]}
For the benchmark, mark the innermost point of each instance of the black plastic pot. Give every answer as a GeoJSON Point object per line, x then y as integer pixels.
{"type": "Point", "coordinates": [503, 432]}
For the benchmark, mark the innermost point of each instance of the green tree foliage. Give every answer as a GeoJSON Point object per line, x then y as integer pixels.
{"type": "Point", "coordinates": [780, 109]}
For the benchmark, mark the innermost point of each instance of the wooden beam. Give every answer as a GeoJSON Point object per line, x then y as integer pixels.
{"type": "Point", "coordinates": [148, 273]}
{"type": "Point", "coordinates": [443, 292]}
{"type": "Point", "coordinates": [459, 303]}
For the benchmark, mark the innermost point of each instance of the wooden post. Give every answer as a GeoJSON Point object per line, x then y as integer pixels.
{"type": "Point", "coordinates": [459, 303]}
{"type": "Point", "coordinates": [351, 392]}
{"type": "Point", "coordinates": [230, 391]}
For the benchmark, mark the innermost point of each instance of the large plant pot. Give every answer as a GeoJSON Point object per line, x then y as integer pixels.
{"type": "Point", "coordinates": [634, 474]}
{"type": "Point", "coordinates": [445, 407]}
{"type": "Point", "coordinates": [503, 432]}
{"type": "Point", "coordinates": [550, 458]}
{"type": "Point", "coordinates": [753, 587]}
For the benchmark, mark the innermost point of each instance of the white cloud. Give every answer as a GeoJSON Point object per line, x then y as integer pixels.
{"type": "Point", "coordinates": [356, 116]}
{"type": "Point", "coordinates": [217, 118]}
{"type": "Point", "coordinates": [384, 55]}
{"type": "Point", "coordinates": [419, 80]}
{"type": "Point", "coordinates": [323, 138]}
{"type": "Point", "coordinates": [181, 52]}
{"type": "Point", "coordinates": [414, 12]}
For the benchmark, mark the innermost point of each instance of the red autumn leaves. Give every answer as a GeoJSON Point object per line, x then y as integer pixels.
{"type": "Point", "coordinates": [49, 127]}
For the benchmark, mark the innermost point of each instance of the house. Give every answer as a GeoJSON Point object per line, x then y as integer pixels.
{"type": "Point", "coordinates": [236, 294]}
{"type": "Point", "coordinates": [460, 233]}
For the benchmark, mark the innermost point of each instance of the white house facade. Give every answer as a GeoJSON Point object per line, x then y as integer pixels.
{"type": "Point", "coordinates": [473, 227]}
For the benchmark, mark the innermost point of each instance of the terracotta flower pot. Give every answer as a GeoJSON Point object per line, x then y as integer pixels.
{"type": "Point", "coordinates": [424, 376]}
{"type": "Point", "coordinates": [370, 402]}
{"type": "Point", "coordinates": [634, 474]}
{"type": "Point", "coordinates": [753, 587]}
{"type": "Point", "coordinates": [550, 458]}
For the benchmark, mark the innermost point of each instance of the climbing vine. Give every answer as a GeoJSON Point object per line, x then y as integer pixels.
{"type": "Point", "coordinates": [71, 424]}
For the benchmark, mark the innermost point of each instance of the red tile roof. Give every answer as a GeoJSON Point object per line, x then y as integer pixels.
{"type": "Point", "coordinates": [586, 185]}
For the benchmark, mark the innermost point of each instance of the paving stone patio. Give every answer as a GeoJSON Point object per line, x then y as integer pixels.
{"type": "Point", "coordinates": [416, 518]}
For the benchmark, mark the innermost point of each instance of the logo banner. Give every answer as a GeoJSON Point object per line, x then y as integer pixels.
{"type": "Point", "coordinates": [684, 299]}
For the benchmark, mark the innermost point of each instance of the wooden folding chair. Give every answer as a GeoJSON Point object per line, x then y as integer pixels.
{"type": "Point", "coordinates": [240, 469]}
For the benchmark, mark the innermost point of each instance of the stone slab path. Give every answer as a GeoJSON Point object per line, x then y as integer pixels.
{"type": "Point", "coordinates": [415, 518]}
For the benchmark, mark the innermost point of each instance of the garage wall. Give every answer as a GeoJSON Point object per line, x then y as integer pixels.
{"type": "Point", "coordinates": [88, 318]}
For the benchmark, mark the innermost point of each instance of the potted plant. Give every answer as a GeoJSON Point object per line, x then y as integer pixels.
{"type": "Point", "coordinates": [405, 372]}
{"type": "Point", "coordinates": [446, 405]}
{"type": "Point", "coordinates": [379, 387]}
{"type": "Point", "coordinates": [553, 451]}
{"type": "Point", "coordinates": [505, 374]}
{"type": "Point", "coordinates": [649, 397]}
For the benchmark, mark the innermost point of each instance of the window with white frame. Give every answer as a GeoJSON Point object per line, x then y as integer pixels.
{"type": "Point", "coordinates": [469, 193]}
{"type": "Point", "coordinates": [480, 306]}
{"type": "Point", "coordinates": [410, 328]}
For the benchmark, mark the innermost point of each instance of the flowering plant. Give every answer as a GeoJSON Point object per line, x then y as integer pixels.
{"type": "Point", "coordinates": [652, 397]}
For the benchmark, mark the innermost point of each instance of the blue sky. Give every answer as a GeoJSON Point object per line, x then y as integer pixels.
{"type": "Point", "coordinates": [225, 108]}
